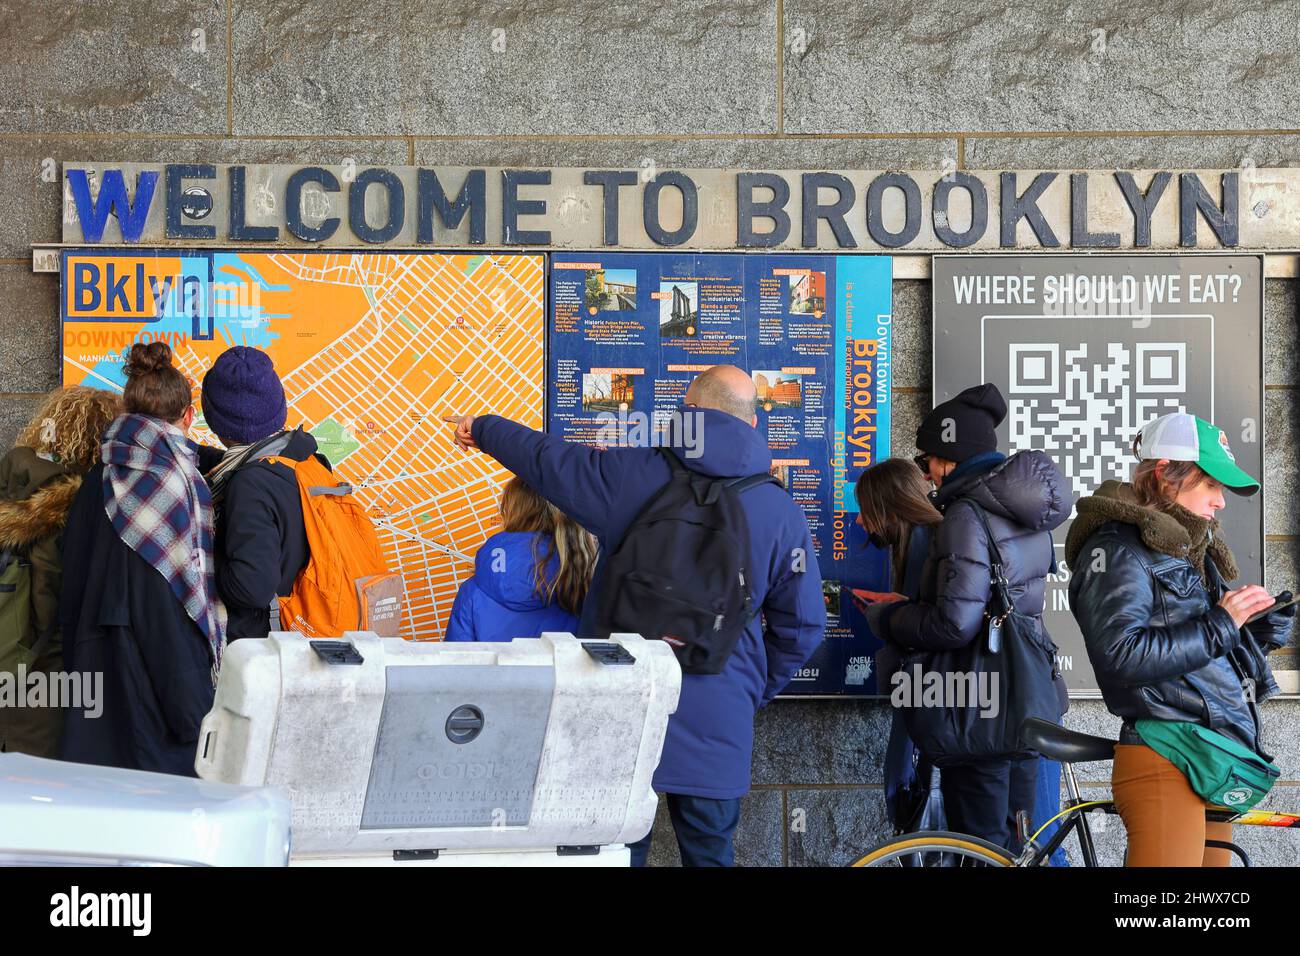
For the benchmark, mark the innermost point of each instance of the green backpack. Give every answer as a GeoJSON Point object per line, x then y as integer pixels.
{"type": "Point", "coordinates": [1219, 769]}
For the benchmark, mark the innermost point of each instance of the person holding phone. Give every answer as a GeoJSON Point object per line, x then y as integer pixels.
{"type": "Point", "coordinates": [894, 509]}
{"type": "Point", "coordinates": [1168, 638]}
{"type": "Point", "coordinates": [1022, 498]}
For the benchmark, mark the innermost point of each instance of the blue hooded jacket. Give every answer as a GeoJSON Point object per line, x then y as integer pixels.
{"type": "Point", "coordinates": [710, 740]}
{"type": "Point", "coordinates": [500, 602]}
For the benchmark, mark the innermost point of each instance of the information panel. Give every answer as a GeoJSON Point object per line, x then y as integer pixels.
{"type": "Point", "coordinates": [629, 331]}
{"type": "Point", "coordinates": [372, 347]}
{"type": "Point", "coordinates": [1087, 350]}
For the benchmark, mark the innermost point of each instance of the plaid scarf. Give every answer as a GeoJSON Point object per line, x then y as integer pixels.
{"type": "Point", "coordinates": [160, 507]}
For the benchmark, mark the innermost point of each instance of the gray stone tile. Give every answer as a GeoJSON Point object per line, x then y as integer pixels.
{"type": "Point", "coordinates": [639, 154]}
{"type": "Point", "coordinates": [820, 741]}
{"type": "Point", "coordinates": [130, 66]}
{"type": "Point", "coordinates": [759, 836]}
{"type": "Point", "coordinates": [581, 67]}
{"type": "Point", "coordinates": [909, 409]}
{"type": "Point", "coordinates": [31, 205]}
{"type": "Point", "coordinates": [29, 329]}
{"type": "Point", "coordinates": [1280, 718]}
{"type": "Point", "coordinates": [319, 69]}
{"type": "Point", "coordinates": [1281, 460]}
{"type": "Point", "coordinates": [758, 840]}
{"type": "Point", "coordinates": [1012, 66]}
{"type": "Point", "coordinates": [15, 412]}
{"type": "Point", "coordinates": [837, 825]}
{"type": "Point", "coordinates": [1132, 152]}
{"type": "Point", "coordinates": [912, 335]}
{"type": "Point", "coordinates": [1281, 332]}
{"type": "Point", "coordinates": [1281, 563]}
{"type": "Point", "coordinates": [472, 68]}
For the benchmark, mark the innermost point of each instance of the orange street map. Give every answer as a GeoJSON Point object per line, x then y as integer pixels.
{"type": "Point", "coordinates": [373, 348]}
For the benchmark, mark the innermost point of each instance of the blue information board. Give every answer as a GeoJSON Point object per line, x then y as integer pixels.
{"type": "Point", "coordinates": [629, 331]}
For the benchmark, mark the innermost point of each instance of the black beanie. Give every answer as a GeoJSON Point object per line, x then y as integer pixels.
{"type": "Point", "coordinates": [969, 420]}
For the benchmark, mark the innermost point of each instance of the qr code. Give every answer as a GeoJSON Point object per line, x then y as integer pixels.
{"type": "Point", "coordinates": [1083, 408]}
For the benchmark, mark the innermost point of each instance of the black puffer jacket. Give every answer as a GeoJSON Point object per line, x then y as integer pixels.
{"type": "Point", "coordinates": [1024, 498]}
{"type": "Point", "coordinates": [1159, 644]}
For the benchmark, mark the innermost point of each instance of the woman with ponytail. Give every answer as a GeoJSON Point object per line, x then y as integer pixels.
{"type": "Point", "coordinates": [530, 577]}
{"type": "Point", "coordinates": [141, 620]}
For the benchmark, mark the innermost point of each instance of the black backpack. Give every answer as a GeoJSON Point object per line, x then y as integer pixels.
{"type": "Point", "coordinates": [678, 574]}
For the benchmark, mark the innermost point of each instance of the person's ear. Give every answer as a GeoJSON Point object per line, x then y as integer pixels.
{"type": "Point", "coordinates": [1160, 469]}
{"type": "Point", "coordinates": [753, 422]}
{"type": "Point", "coordinates": [188, 417]}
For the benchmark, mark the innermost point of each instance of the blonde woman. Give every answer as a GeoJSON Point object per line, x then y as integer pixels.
{"type": "Point", "coordinates": [39, 478]}
{"type": "Point", "coordinates": [530, 577]}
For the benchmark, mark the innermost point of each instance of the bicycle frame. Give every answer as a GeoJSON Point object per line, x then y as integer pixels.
{"type": "Point", "coordinates": [1076, 821]}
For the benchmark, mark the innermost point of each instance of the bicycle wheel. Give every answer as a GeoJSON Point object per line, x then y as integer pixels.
{"type": "Point", "coordinates": [927, 845]}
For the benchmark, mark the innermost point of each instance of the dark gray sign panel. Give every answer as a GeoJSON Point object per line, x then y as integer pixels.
{"type": "Point", "coordinates": [1087, 350]}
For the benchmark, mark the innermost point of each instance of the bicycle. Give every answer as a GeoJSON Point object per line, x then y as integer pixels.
{"type": "Point", "coordinates": [942, 847]}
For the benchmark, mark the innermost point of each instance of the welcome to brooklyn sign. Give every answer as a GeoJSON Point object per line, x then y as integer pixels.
{"type": "Point", "coordinates": [693, 209]}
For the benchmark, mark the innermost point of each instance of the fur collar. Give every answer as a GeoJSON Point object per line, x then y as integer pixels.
{"type": "Point", "coordinates": [38, 516]}
{"type": "Point", "coordinates": [1175, 531]}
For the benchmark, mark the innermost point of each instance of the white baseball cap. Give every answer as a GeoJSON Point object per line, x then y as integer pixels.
{"type": "Point", "coordinates": [1184, 437]}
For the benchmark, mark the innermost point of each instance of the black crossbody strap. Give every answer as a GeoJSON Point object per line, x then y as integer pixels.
{"type": "Point", "coordinates": [1001, 590]}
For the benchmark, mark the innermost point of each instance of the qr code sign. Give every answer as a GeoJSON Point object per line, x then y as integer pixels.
{"type": "Point", "coordinates": [1084, 404]}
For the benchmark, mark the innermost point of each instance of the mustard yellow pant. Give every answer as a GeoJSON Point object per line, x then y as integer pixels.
{"type": "Point", "coordinates": [1164, 817]}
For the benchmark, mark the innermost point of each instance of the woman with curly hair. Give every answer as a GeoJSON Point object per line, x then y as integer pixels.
{"type": "Point", "coordinates": [38, 479]}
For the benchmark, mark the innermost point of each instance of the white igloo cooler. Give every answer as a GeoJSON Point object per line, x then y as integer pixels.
{"type": "Point", "coordinates": [532, 752]}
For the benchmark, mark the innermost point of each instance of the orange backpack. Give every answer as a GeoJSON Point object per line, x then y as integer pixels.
{"type": "Point", "coordinates": [346, 561]}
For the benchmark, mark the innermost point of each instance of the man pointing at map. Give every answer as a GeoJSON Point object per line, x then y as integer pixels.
{"type": "Point", "coordinates": [705, 768]}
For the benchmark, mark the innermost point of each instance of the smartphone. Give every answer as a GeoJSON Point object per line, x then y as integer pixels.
{"type": "Point", "coordinates": [1285, 599]}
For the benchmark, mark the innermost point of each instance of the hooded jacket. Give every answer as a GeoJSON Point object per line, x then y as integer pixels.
{"type": "Point", "coordinates": [35, 495]}
{"type": "Point", "coordinates": [1144, 587]}
{"type": "Point", "coordinates": [500, 602]}
{"type": "Point", "coordinates": [1023, 498]}
{"type": "Point", "coordinates": [709, 743]}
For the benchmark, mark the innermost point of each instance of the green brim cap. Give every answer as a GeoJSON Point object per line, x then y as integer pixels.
{"type": "Point", "coordinates": [1217, 460]}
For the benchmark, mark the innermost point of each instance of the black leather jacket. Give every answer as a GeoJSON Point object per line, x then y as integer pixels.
{"type": "Point", "coordinates": [1160, 645]}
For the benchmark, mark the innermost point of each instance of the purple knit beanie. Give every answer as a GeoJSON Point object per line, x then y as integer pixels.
{"type": "Point", "coordinates": [243, 400]}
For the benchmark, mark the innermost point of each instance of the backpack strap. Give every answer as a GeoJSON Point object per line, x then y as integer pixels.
{"type": "Point", "coordinates": [751, 481]}
{"type": "Point", "coordinates": [264, 450]}
{"type": "Point", "coordinates": [675, 464]}
{"type": "Point", "coordinates": [714, 485]}
{"type": "Point", "coordinates": [340, 490]}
